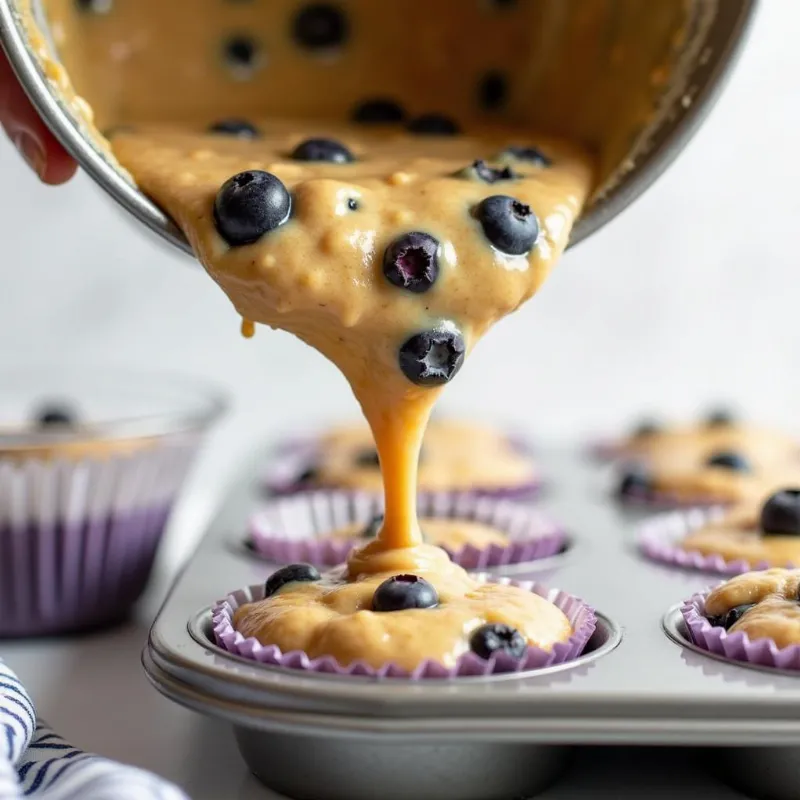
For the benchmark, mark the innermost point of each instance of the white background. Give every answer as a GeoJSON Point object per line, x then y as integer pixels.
{"type": "Point", "coordinates": [689, 298]}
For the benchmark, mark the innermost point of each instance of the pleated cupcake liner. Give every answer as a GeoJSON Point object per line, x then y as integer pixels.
{"type": "Point", "coordinates": [291, 459]}
{"type": "Point", "coordinates": [660, 538]}
{"type": "Point", "coordinates": [78, 538]}
{"type": "Point", "coordinates": [580, 615]}
{"type": "Point", "coordinates": [735, 646]}
{"type": "Point", "coordinates": [298, 528]}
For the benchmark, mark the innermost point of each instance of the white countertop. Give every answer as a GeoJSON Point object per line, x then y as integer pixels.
{"type": "Point", "coordinates": [93, 691]}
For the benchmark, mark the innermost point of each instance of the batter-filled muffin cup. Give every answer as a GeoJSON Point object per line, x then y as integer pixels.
{"type": "Point", "coordinates": [456, 458]}
{"type": "Point", "coordinates": [651, 435]}
{"type": "Point", "coordinates": [375, 626]}
{"type": "Point", "coordinates": [750, 536]}
{"type": "Point", "coordinates": [752, 618]}
{"type": "Point", "coordinates": [322, 528]}
{"type": "Point", "coordinates": [717, 465]}
{"type": "Point", "coordinates": [90, 465]}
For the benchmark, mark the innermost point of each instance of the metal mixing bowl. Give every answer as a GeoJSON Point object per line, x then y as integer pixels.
{"type": "Point", "coordinates": [713, 39]}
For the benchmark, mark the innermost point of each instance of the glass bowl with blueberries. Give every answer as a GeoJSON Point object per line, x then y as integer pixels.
{"type": "Point", "coordinates": [91, 462]}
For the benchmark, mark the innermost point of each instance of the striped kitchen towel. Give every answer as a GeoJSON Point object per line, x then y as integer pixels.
{"type": "Point", "coordinates": [36, 762]}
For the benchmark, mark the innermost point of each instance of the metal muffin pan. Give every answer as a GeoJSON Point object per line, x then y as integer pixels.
{"type": "Point", "coordinates": [329, 738]}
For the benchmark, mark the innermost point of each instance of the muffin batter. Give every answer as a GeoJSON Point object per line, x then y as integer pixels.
{"type": "Point", "coordinates": [391, 243]}
{"type": "Point", "coordinates": [737, 536]}
{"type": "Point", "coordinates": [764, 605]}
{"type": "Point", "coordinates": [322, 274]}
{"type": "Point", "coordinates": [713, 463]}
{"type": "Point", "coordinates": [453, 534]}
{"type": "Point", "coordinates": [589, 70]}
{"type": "Point", "coordinates": [767, 533]}
{"type": "Point", "coordinates": [718, 431]}
{"type": "Point", "coordinates": [456, 457]}
{"type": "Point", "coordinates": [335, 615]}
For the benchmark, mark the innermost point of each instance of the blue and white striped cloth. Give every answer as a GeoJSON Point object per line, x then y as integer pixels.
{"type": "Point", "coordinates": [36, 762]}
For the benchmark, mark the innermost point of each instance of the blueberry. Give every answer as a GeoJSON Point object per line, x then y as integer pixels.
{"type": "Point", "coordinates": [481, 171]}
{"type": "Point", "coordinates": [371, 529]}
{"type": "Point", "coordinates": [493, 91]}
{"type": "Point", "coordinates": [402, 592]}
{"type": "Point", "coordinates": [328, 150]}
{"type": "Point", "coordinates": [494, 638]}
{"type": "Point", "coordinates": [533, 155]}
{"type": "Point", "coordinates": [367, 458]}
{"type": "Point", "coordinates": [320, 26]}
{"type": "Point", "coordinates": [379, 111]}
{"type": "Point", "coordinates": [720, 418]}
{"type": "Point", "coordinates": [511, 226]}
{"type": "Point", "coordinates": [434, 125]}
{"type": "Point", "coordinates": [241, 54]}
{"type": "Point", "coordinates": [54, 415]}
{"type": "Point", "coordinates": [307, 476]}
{"type": "Point", "coordinates": [411, 262]}
{"type": "Point", "coordinates": [730, 618]}
{"type": "Point", "coordinates": [780, 515]}
{"type": "Point", "coordinates": [353, 204]}
{"type": "Point", "coordinates": [634, 481]}
{"type": "Point", "coordinates": [240, 128]}
{"type": "Point", "coordinates": [432, 358]}
{"type": "Point", "coordinates": [646, 428]}
{"type": "Point", "coordinates": [294, 573]}
{"type": "Point", "coordinates": [727, 459]}
{"type": "Point", "coordinates": [249, 205]}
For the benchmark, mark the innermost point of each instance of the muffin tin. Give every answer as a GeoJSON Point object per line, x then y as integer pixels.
{"type": "Point", "coordinates": [494, 738]}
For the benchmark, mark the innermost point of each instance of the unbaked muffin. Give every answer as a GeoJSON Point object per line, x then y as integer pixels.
{"type": "Point", "coordinates": [762, 535]}
{"type": "Point", "coordinates": [456, 457]}
{"type": "Point", "coordinates": [409, 612]}
{"type": "Point", "coordinates": [719, 463]}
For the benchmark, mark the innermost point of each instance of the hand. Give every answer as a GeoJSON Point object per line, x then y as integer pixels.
{"type": "Point", "coordinates": [37, 145]}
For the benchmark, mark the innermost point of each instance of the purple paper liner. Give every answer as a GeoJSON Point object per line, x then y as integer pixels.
{"type": "Point", "coordinates": [296, 529]}
{"type": "Point", "coordinates": [660, 538]}
{"type": "Point", "coordinates": [78, 538]}
{"type": "Point", "coordinates": [734, 646]}
{"type": "Point", "coordinates": [76, 575]}
{"type": "Point", "coordinates": [580, 615]}
{"type": "Point", "coordinates": [293, 457]}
